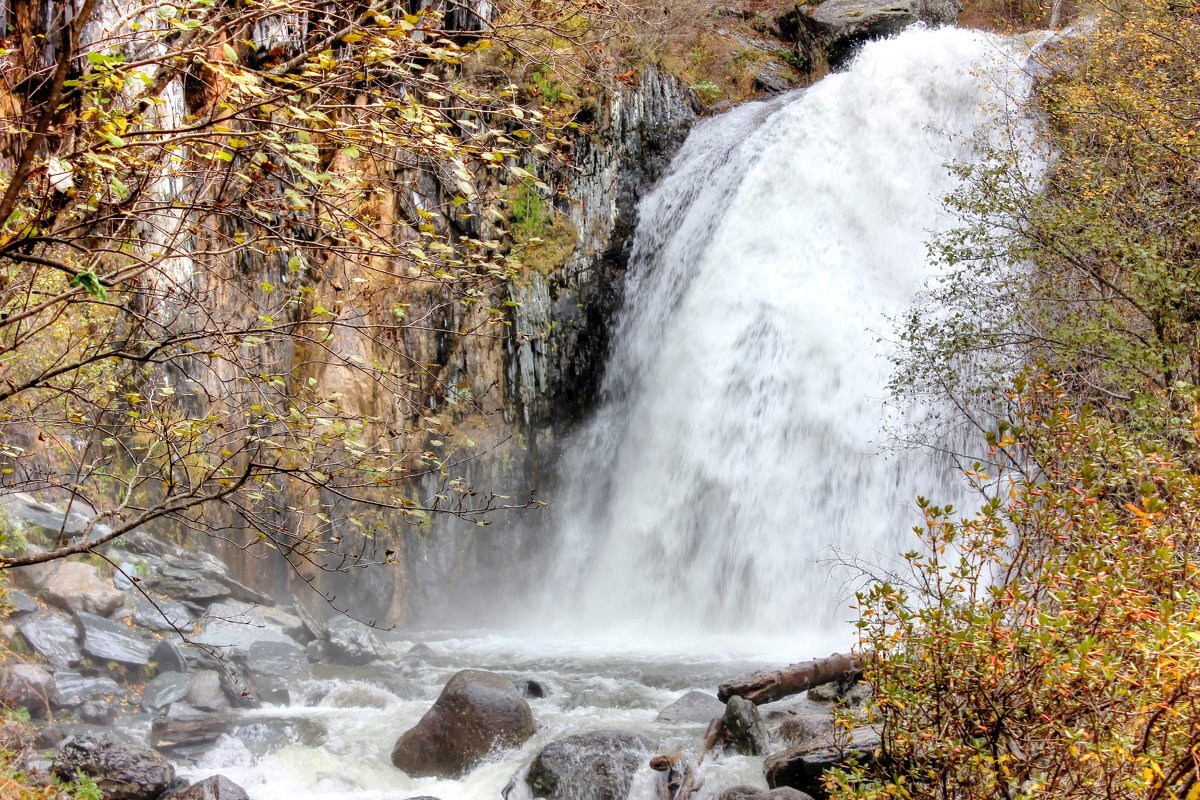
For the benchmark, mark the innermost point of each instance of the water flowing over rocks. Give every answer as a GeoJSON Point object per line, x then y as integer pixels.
{"type": "Point", "coordinates": [476, 712]}
{"type": "Point", "coordinates": [588, 766]}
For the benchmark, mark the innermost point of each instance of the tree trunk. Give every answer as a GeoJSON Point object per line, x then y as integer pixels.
{"type": "Point", "coordinates": [766, 687]}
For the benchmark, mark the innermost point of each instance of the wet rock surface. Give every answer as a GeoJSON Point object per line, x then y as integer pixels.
{"type": "Point", "coordinates": [28, 686]}
{"type": "Point", "coordinates": [105, 640]}
{"type": "Point", "coordinates": [802, 768]}
{"type": "Point", "coordinates": [588, 766]}
{"type": "Point", "coordinates": [744, 727]}
{"type": "Point", "coordinates": [122, 768]}
{"type": "Point", "coordinates": [476, 712]}
{"type": "Point", "coordinates": [351, 642]}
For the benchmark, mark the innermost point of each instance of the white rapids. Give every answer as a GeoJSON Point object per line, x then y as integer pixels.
{"type": "Point", "coordinates": [740, 444]}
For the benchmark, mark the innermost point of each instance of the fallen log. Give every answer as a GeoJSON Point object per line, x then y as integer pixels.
{"type": "Point", "coordinates": [766, 687]}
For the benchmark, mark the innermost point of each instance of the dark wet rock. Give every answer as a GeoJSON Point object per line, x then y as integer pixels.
{"type": "Point", "coordinates": [802, 768]}
{"type": "Point", "coordinates": [166, 688]}
{"type": "Point", "coordinates": [218, 787]}
{"type": "Point", "coordinates": [772, 78]}
{"type": "Point", "coordinates": [314, 628]}
{"type": "Point", "coordinates": [697, 707]}
{"type": "Point", "coordinates": [205, 691]}
{"type": "Point", "coordinates": [162, 614]}
{"type": "Point", "coordinates": [72, 689]}
{"type": "Point", "coordinates": [28, 686]}
{"type": "Point", "coordinates": [852, 694]}
{"type": "Point", "coordinates": [53, 636]}
{"type": "Point", "coordinates": [588, 766]}
{"type": "Point", "coordinates": [421, 650]}
{"type": "Point", "coordinates": [20, 602]}
{"type": "Point", "coordinates": [197, 589]}
{"type": "Point", "coordinates": [184, 726]}
{"type": "Point", "coordinates": [743, 792]}
{"type": "Point", "coordinates": [532, 689]}
{"type": "Point", "coordinates": [838, 27]}
{"type": "Point", "coordinates": [106, 640]}
{"type": "Point", "coordinates": [858, 695]}
{"type": "Point", "coordinates": [170, 657]}
{"type": "Point", "coordinates": [123, 769]}
{"type": "Point", "coordinates": [744, 727]}
{"type": "Point", "coordinates": [53, 519]}
{"type": "Point", "coordinates": [269, 669]}
{"type": "Point", "coordinates": [97, 712]}
{"type": "Point", "coordinates": [476, 712]}
{"type": "Point", "coordinates": [351, 642]}
{"type": "Point", "coordinates": [76, 586]}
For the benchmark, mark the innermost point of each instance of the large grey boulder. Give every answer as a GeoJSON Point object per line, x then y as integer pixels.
{"type": "Point", "coordinates": [588, 766]}
{"type": "Point", "coordinates": [218, 787]}
{"type": "Point", "coordinates": [106, 640]}
{"type": "Point", "coordinates": [803, 768]}
{"type": "Point", "coordinates": [205, 691]}
{"type": "Point", "coordinates": [122, 768]}
{"type": "Point", "coordinates": [233, 627]}
{"type": "Point", "coordinates": [744, 727]}
{"type": "Point", "coordinates": [72, 689]}
{"type": "Point", "coordinates": [76, 586]}
{"type": "Point", "coordinates": [162, 614]}
{"type": "Point", "coordinates": [28, 686]}
{"type": "Point", "coordinates": [53, 636]}
{"type": "Point", "coordinates": [695, 707]}
{"type": "Point", "coordinates": [838, 27]}
{"type": "Point", "coordinates": [351, 642]}
{"type": "Point", "coordinates": [476, 712]}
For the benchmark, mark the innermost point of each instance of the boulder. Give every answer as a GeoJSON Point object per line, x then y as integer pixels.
{"type": "Point", "coordinates": [289, 623]}
{"type": "Point", "coordinates": [269, 669]}
{"type": "Point", "coordinates": [532, 689]}
{"type": "Point", "coordinates": [28, 686]}
{"type": "Point", "coordinates": [744, 727]}
{"type": "Point", "coordinates": [72, 689]}
{"type": "Point", "coordinates": [106, 640]}
{"type": "Point", "coordinates": [169, 656]}
{"type": "Point", "coordinates": [204, 691]}
{"type": "Point", "coordinates": [744, 792]}
{"type": "Point", "coordinates": [97, 712]}
{"type": "Point", "coordinates": [840, 26]}
{"type": "Point", "coordinates": [165, 689]}
{"type": "Point", "coordinates": [351, 642]}
{"type": "Point", "coordinates": [802, 768]}
{"type": "Point", "coordinates": [476, 712]}
{"type": "Point", "coordinates": [16, 736]}
{"type": "Point", "coordinates": [122, 768]}
{"type": "Point", "coordinates": [695, 707]}
{"type": "Point", "coordinates": [76, 586]}
{"type": "Point", "coordinates": [52, 636]}
{"type": "Point", "coordinates": [421, 650]}
{"type": "Point", "coordinates": [218, 787]}
{"type": "Point", "coordinates": [588, 766]}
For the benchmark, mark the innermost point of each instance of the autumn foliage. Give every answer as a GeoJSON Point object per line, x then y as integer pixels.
{"type": "Point", "coordinates": [1049, 645]}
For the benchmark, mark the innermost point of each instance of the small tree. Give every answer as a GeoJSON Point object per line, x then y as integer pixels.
{"type": "Point", "coordinates": [1048, 646]}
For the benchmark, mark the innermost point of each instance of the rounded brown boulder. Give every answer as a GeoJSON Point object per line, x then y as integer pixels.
{"type": "Point", "coordinates": [476, 713]}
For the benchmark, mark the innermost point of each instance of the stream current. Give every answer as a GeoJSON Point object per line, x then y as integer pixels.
{"type": "Point", "coordinates": [740, 447]}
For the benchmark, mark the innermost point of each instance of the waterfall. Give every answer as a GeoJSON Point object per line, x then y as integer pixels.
{"type": "Point", "coordinates": [741, 443]}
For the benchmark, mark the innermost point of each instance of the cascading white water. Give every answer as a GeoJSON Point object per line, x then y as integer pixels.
{"type": "Point", "coordinates": [741, 444]}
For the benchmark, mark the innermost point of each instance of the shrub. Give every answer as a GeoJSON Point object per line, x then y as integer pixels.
{"type": "Point", "coordinates": [1049, 645]}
